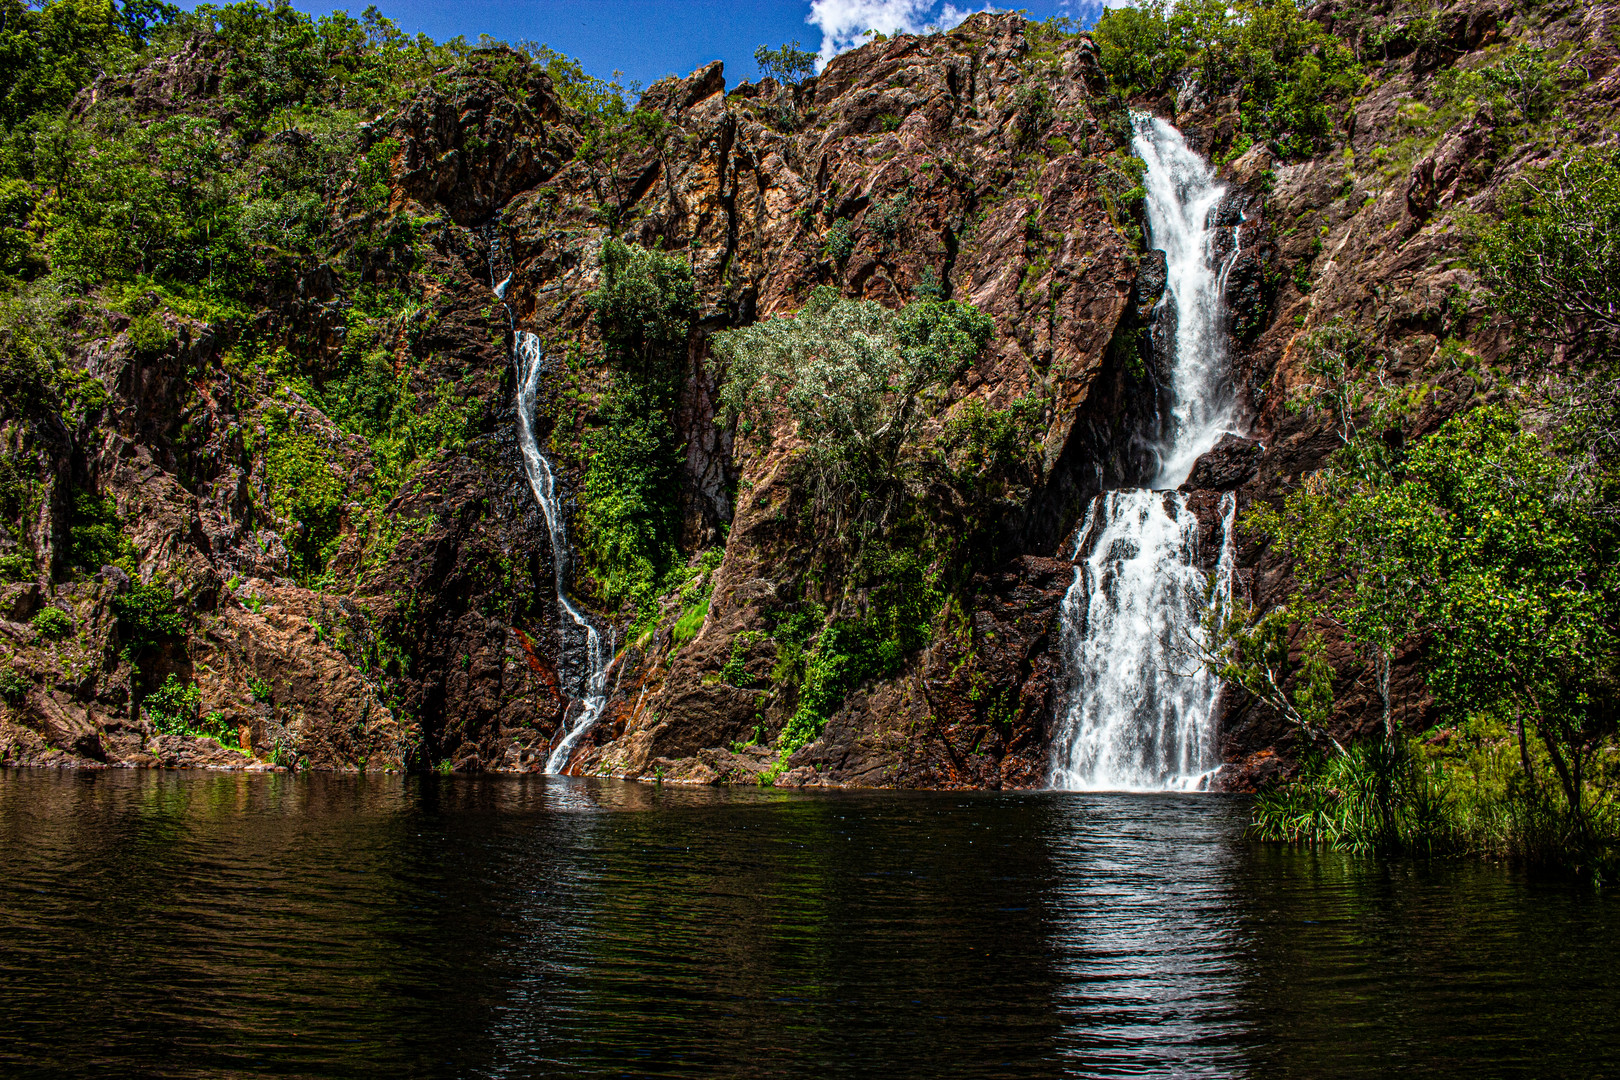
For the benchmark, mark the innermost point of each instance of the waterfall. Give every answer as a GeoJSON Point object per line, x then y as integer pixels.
{"type": "Point", "coordinates": [1182, 196]}
{"type": "Point", "coordinates": [543, 482]}
{"type": "Point", "coordinates": [1140, 709]}
{"type": "Point", "coordinates": [1140, 706]}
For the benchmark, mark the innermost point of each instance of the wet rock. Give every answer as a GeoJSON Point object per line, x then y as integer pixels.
{"type": "Point", "coordinates": [1229, 464]}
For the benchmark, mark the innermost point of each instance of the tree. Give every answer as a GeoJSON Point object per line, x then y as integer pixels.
{"type": "Point", "coordinates": [1286, 68]}
{"type": "Point", "coordinates": [645, 306]}
{"type": "Point", "coordinates": [1553, 260]}
{"type": "Point", "coordinates": [788, 64]}
{"type": "Point", "coordinates": [1522, 584]}
{"type": "Point", "coordinates": [857, 380]}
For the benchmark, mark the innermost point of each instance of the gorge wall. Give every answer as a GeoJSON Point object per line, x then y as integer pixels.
{"type": "Point", "coordinates": [985, 165]}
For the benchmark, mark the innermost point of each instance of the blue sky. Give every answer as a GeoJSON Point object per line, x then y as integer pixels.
{"type": "Point", "coordinates": [648, 39]}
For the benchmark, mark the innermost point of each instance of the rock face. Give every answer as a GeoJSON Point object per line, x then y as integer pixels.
{"type": "Point", "coordinates": [913, 166]}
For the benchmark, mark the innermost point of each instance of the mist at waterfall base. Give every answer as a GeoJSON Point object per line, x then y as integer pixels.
{"type": "Point", "coordinates": [597, 654]}
{"type": "Point", "coordinates": [1140, 709]}
{"type": "Point", "coordinates": [187, 924]}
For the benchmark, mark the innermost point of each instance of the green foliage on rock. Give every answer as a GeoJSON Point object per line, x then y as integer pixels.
{"type": "Point", "coordinates": [1287, 70]}
{"type": "Point", "coordinates": [1492, 542]}
{"type": "Point", "coordinates": [96, 535]}
{"type": "Point", "coordinates": [172, 707]}
{"type": "Point", "coordinates": [147, 616]}
{"type": "Point", "coordinates": [787, 64]}
{"type": "Point", "coordinates": [305, 492]}
{"type": "Point", "coordinates": [856, 384]}
{"type": "Point", "coordinates": [645, 305]}
{"type": "Point", "coordinates": [857, 381]}
{"type": "Point", "coordinates": [1553, 259]}
{"type": "Point", "coordinates": [52, 623]}
{"type": "Point", "coordinates": [13, 687]}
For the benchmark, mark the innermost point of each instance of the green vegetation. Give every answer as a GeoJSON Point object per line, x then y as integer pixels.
{"type": "Point", "coordinates": [164, 217]}
{"type": "Point", "coordinates": [13, 687]}
{"type": "Point", "coordinates": [52, 623]}
{"type": "Point", "coordinates": [147, 617]}
{"type": "Point", "coordinates": [1553, 260]}
{"type": "Point", "coordinates": [1287, 70]}
{"type": "Point", "coordinates": [691, 621]}
{"type": "Point", "coordinates": [630, 515]}
{"type": "Point", "coordinates": [1493, 542]}
{"type": "Point", "coordinates": [172, 707]}
{"type": "Point", "coordinates": [96, 535]}
{"type": "Point", "coordinates": [788, 64]}
{"type": "Point", "coordinates": [859, 383]}
{"type": "Point", "coordinates": [19, 502]}
{"type": "Point", "coordinates": [306, 492]}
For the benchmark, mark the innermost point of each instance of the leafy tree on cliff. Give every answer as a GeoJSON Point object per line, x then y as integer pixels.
{"type": "Point", "coordinates": [1287, 69]}
{"type": "Point", "coordinates": [1493, 543]}
{"type": "Point", "coordinates": [1553, 259]}
{"type": "Point", "coordinates": [788, 64]}
{"type": "Point", "coordinates": [857, 380]}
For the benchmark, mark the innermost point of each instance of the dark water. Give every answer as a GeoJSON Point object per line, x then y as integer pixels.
{"type": "Point", "coordinates": [196, 925]}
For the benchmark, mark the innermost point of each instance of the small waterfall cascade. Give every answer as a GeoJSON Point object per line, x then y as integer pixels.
{"type": "Point", "coordinates": [543, 482]}
{"type": "Point", "coordinates": [1139, 712]}
{"type": "Point", "coordinates": [530, 362]}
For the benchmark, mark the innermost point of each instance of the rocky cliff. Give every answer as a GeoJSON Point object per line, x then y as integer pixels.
{"type": "Point", "coordinates": [987, 165]}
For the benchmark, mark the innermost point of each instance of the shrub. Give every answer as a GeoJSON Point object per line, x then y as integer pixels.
{"type": "Point", "coordinates": [52, 623]}
{"type": "Point", "coordinates": [17, 566]}
{"type": "Point", "coordinates": [734, 672]}
{"type": "Point", "coordinates": [886, 220]}
{"type": "Point", "coordinates": [305, 490]}
{"type": "Point", "coordinates": [1553, 261]}
{"type": "Point", "coordinates": [173, 706]}
{"type": "Point", "coordinates": [146, 616]}
{"type": "Point", "coordinates": [150, 333]}
{"type": "Point", "coordinates": [96, 535]}
{"type": "Point", "coordinates": [644, 308]}
{"type": "Point", "coordinates": [857, 378]}
{"type": "Point", "coordinates": [840, 241]}
{"type": "Point", "coordinates": [13, 687]}
{"type": "Point", "coordinates": [260, 689]}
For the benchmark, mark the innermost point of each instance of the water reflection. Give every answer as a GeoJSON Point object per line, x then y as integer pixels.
{"type": "Point", "coordinates": [195, 925]}
{"type": "Point", "coordinates": [1145, 930]}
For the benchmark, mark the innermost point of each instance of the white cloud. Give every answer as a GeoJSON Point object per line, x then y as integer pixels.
{"type": "Point", "coordinates": [844, 23]}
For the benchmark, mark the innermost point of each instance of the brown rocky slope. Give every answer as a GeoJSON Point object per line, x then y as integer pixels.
{"type": "Point", "coordinates": [432, 638]}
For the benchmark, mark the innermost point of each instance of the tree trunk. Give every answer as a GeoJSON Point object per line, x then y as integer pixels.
{"type": "Point", "coordinates": [1572, 791]}
{"type": "Point", "coordinates": [1524, 748]}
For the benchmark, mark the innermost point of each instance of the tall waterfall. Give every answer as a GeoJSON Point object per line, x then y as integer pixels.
{"type": "Point", "coordinates": [543, 482]}
{"type": "Point", "coordinates": [1139, 712]}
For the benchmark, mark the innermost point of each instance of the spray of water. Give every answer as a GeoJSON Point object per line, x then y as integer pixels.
{"type": "Point", "coordinates": [1140, 710]}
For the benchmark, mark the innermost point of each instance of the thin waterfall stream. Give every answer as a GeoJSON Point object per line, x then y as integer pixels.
{"type": "Point", "coordinates": [530, 362]}
{"type": "Point", "coordinates": [1140, 709]}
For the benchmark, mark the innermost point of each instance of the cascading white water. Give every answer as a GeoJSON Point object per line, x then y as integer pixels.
{"type": "Point", "coordinates": [1139, 706]}
{"type": "Point", "coordinates": [1182, 195]}
{"type": "Point", "coordinates": [543, 482]}
{"type": "Point", "coordinates": [1140, 709]}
